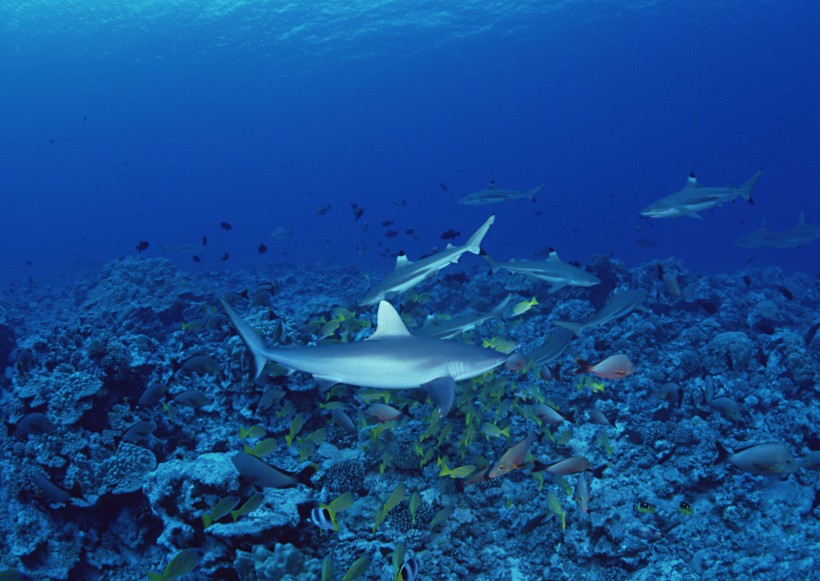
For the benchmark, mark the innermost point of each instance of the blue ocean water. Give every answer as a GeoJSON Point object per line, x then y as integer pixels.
{"type": "Point", "coordinates": [159, 157]}
{"type": "Point", "coordinates": [144, 121]}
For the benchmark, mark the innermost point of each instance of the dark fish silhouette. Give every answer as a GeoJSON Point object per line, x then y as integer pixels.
{"type": "Point", "coordinates": [786, 292]}
{"type": "Point", "coordinates": [262, 248]}
{"type": "Point", "coordinates": [204, 241]}
{"type": "Point", "coordinates": [812, 332]}
{"type": "Point", "coordinates": [357, 211]}
{"type": "Point", "coordinates": [450, 234]}
{"type": "Point", "coordinates": [410, 231]}
{"type": "Point", "coordinates": [391, 233]}
{"type": "Point", "coordinates": [196, 258]}
{"type": "Point", "coordinates": [322, 210]}
{"type": "Point", "coordinates": [227, 226]}
{"type": "Point", "coordinates": [387, 223]}
{"type": "Point", "coordinates": [456, 277]}
{"type": "Point", "coordinates": [226, 256]}
{"type": "Point", "coordinates": [747, 280]}
{"type": "Point", "coordinates": [142, 245]}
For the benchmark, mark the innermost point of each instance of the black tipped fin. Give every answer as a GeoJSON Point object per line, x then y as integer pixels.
{"type": "Point", "coordinates": [304, 476]}
{"type": "Point", "coordinates": [723, 453]}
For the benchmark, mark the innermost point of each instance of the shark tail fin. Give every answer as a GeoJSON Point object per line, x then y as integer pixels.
{"type": "Point", "coordinates": [531, 193]}
{"type": "Point", "coordinates": [474, 243]}
{"type": "Point", "coordinates": [723, 453]}
{"type": "Point", "coordinates": [746, 189]}
{"type": "Point", "coordinates": [251, 339]}
{"type": "Point", "coordinates": [574, 327]}
{"type": "Point", "coordinates": [494, 264]}
{"type": "Point", "coordinates": [304, 476]}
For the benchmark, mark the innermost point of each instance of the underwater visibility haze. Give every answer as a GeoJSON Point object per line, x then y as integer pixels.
{"type": "Point", "coordinates": [409, 290]}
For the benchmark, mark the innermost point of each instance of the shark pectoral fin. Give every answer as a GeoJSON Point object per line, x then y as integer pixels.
{"type": "Point", "coordinates": [442, 392]}
{"type": "Point", "coordinates": [691, 213]}
{"type": "Point", "coordinates": [556, 287]}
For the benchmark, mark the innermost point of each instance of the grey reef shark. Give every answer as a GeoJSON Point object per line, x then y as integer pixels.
{"type": "Point", "coordinates": [391, 358]}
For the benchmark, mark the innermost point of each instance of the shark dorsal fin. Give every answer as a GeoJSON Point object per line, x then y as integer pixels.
{"type": "Point", "coordinates": [388, 323]}
{"type": "Point", "coordinates": [692, 182]}
{"type": "Point", "coordinates": [449, 246]}
{"type": "Point", "coordinates": [402, 261]}
{"type": "Point", "coordinates": [553, 257]}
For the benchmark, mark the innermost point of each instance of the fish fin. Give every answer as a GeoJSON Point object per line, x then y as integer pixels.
{"type": "Point", "coordinates": [553, 257]}
{"type": "Point", "coordinates": [691, 213]}
{"type": "Point", "coordinates": [531, 193]}
{"type": "Point", "coordinates": [723, 453]}
{"type": "Point", "coordinates": [556, 287]}
{"type": "Point", "coordinates": [251, 339]}
{"type": "Point", "coordinates": [402, 261]}
{"type": "Point", "coordinates": [583, 366]}
{"type": "Point", "coordinates": [304, 475]}
{"type": "Point", "coordinates": [474, 243]}
{"type": "Point", "coordinates": [599, 471]}
{"type": "Point", "coordinates": [388, 323]}
{"type": "Point", "coordinates": [691, 181]}
{"type": "Point", "coordinates": [746, 188]}
{"type": "Point", "coordinates": [494, 264]}
{"type": "Point", "coordinates": [443, 393]}
{"type": "Point", "coordinates": [574, 327]}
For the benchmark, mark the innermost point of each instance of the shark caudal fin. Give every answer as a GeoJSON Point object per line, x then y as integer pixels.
{"type": "Point", "coordinates": [251, 339]}
{"type": "Point", "coordinates": [746, 189]}
{"type": "Point", "coordinates": [531, 193]}
{"type": "Point", "coordinates": [474, 243]}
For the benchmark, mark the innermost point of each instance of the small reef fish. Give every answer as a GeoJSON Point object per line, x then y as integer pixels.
{"type": "Point", "coordinates": [564, 467]}
{"type": "Point", "coordinates": [773, 459]}
{"type": "Point", "coordinates": [524, 306]}
{"type": "Point", "coordinates": [152, 395]}
{"type": "Point", "coordinates": [35, 423]}
{"type": "Point", "coordinates": [221, 509]}
{"type": "Point", "coordinates": [513, 458]}
{"type": "Point", "coordinates": [183, 562]}
{"type": "Point", "coordinates": [493, 195]}
{"type": "Point", "coordinates": [581, 496]}
{"type": "Point", "coordinates": [52, 491]}
{"type": "Point", "coordinates": [262, 249]}
{"type": "Point", "coordinates": [645, 507]}
{"type": "Point", "coordinates": [693, 199]}
{"type": "Point", "coordinates": [193, 398]}
{"type": "Point", "coordinates": [261, 474]}
{"type": "Point", "coordinates": [383, 412]}
{"type": "Point", "coordinates": [322, 210]}
{"type": "Point", "coordinates": [142, 245]}
{"type": "Point", "coordinates": [139, 431]}
{"type": "Point", "coordinates": [619, 306]}
{"type": "Point", "coordinates": [550, 415]}
{"type": "Point", "coordinates": [450, 234]}
{"type": "Point", "coordinates": [341, 419]}
{"type": "Point", "coordinates": [596, 416]}
{"type": "Point", "coordinates": [613, 367]}
{"type": "Point", "coordinates": [226, 226]}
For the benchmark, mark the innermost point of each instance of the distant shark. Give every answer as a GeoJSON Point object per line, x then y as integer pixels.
{"type": "Point", "coordinates": [693, 199]}
{"type": "Point", "coordinates": [493, 195]}
{"type": "Point", "coordinates": [391, 358]}
{"type": "Point", "coordinates": [799, 235]}
{"type": "Point", "coordinates": [552, 270]}
{"type": "Point", "coordinates": [451, 328]}
{"type": "Point", "coordinates": [620, 305]}
{"type": "Point", "coordinates": [409, 274]}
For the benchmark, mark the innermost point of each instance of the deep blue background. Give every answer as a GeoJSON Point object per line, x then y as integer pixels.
{"type": "Point", "coordinates": [197, 113]}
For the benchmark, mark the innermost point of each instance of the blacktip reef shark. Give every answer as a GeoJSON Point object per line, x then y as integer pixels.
{"type": "Point", "coordinates": [408, 274]}
{"type": "Point", "coordinates": [619, 306]}
{"type": "Point", "coordinates": [391, 358]}
{"type": "Point", "coordinates": [799, 235]}
{"type": "Point", "coordinates": [552, 270]}
{"type": "Point", "coordinates": [493, 195]}
{"type": "Point", "coordinates": [451, 328]}
{"type": "Point", "coordinates": [693, 199]}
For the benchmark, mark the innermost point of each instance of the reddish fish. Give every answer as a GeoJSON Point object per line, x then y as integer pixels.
{"type": "Point", "coordinates": [613, 367]}
{"type": "Point", "coordinates": [512, 459]}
